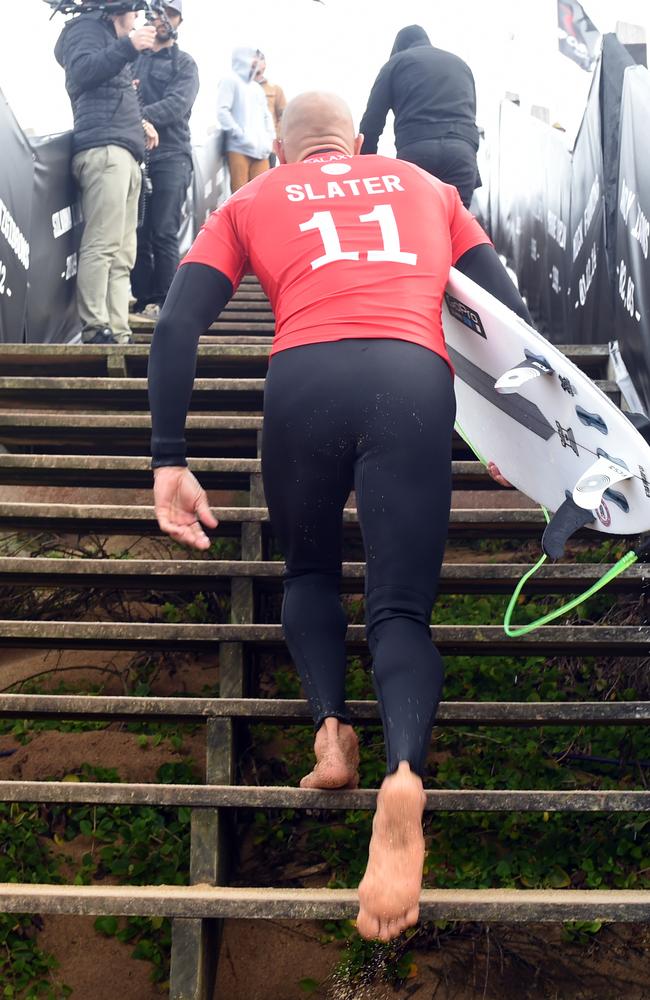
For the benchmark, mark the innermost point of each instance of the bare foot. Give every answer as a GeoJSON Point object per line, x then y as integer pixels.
{"type": "Point", "coordinates": [337, 757]}
{"type": "Point", "coordinates": [389, 892]}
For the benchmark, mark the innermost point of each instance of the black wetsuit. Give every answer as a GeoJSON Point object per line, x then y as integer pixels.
{"type": "Point", "coordinates": [375, 415]}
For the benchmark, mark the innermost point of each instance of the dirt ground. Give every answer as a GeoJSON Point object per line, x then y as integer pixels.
{"type": "Point", "coordinates": [268, 960]}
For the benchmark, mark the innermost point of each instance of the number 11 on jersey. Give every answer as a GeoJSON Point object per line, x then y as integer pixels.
{"type": "Point", "coordinates": [381, 214]}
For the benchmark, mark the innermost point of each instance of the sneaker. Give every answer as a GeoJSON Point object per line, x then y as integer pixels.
{"type": "Point", "coordinates": [102, 336]}
{"type": "Point", "coordinates": [152, 311]}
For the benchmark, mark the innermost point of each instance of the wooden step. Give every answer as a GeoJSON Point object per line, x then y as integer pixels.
{"type": "Point", "coordinates": [209, 574]}
{"type": "Point", "coordinates": [247, 357]}
{"type": "Point", "coordinates": [134, 472]}
{"type": "Point", "coordinates": [71, 432]}
{"type": "Point", "coordinates": [196, 901]}
{"type": "Point", "coordinates": [126, 519]}
{"type": "Point", "coordinates": [222, 356]}
{"type": "Point", "coordinates": [131, 393]}
{"type": "Point", "coordinates": [466, 640]}
{"type": "Point", "coordinates": [238, 315]}
{"type": "Point", "coordinates": [75, 432]}
{"type": "Point", "coordinates": [89, 708]}
{"type": "Point", "coordinates": [282, 797]}
{"type": "Point", "coordinates": [124, 393]}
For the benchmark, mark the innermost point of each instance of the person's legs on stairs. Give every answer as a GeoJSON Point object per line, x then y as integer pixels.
{"type": "Point", "coordinates": [307, 465]}
{"type": "Point", "coordinates": [104, 187]}
{"type": "Point", "coordinates": [403, 488]}
{"type": "Point", "coordinates": [119, 283]}
{"type": "Point", "coordinates": [170, 179]}
{"type": "Point", "coordinates": [258, 167]}
{"type": "Point", "coordinates": [239, 166]}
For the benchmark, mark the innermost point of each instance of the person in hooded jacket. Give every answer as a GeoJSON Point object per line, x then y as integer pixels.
{"type": "Point", "coordinates": [433, 97]}
{"type": "Point", "coordinates": [108, 145]}
{"type": "Point", "coordinates": [244, 116]}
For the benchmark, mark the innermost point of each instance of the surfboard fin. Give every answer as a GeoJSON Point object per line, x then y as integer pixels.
{"type": "Point", "coordinates": [588, 491]}
{"type": "Point", "coordinates": [565, 522]}
{"type": "Point", "coordinates": [534, 366]}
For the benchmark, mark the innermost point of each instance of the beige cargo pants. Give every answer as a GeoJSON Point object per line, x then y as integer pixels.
{"type": "Point", "coordinates": [109, 178]}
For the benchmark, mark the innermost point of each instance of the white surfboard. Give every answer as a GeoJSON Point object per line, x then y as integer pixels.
{"type": "Point", "coordinates": [551, 431]}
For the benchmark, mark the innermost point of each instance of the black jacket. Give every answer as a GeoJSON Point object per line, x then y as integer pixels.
{"type": "Point", "coordinates": [169, 83]}
{"type": "Point", "coordinates": [430, 91]}
{"type": "Point", "coordinates": [99, 80]}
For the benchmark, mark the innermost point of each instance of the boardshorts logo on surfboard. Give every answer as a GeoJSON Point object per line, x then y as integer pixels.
{"type": "Point", "coordinates": [517, 400]}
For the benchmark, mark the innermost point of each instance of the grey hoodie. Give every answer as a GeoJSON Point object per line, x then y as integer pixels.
{"type": "Point", "coordinates": [242, 110]}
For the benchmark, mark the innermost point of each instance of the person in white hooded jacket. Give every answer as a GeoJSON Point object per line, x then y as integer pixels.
{"type": "Point", "coordinates": [244, 116]}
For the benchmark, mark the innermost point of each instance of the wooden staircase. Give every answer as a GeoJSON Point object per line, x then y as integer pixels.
{"type": "Point", "coordinates": [76, 416]}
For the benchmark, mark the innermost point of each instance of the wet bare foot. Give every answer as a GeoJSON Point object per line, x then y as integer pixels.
{"type": "Point", "coordinates": [389, 892]}
{"type": "Point", "coordinates": [337, 757]}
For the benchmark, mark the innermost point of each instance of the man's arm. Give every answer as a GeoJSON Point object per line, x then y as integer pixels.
{"type": "Point", "coordinates": [374, 117]}
{"type": "Point", "coordinates": [90, 61]}
{"type": "Point", "coordinates": [224, 108]}
{"type": "Point", "coordinates": [482, 265]}
{"type": "Point", "coordinates": [197, 295]}
{"type": "Point", "coordinates": [179, 97]}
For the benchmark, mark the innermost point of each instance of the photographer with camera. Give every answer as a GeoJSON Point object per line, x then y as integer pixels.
{"type": "Point", "coordinates": [96, 49]}
{"type": "Point", "coordinates": [168, 83]}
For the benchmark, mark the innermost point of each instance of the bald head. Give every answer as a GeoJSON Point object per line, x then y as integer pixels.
{"type": "Point", "coordinates": [317, 120]}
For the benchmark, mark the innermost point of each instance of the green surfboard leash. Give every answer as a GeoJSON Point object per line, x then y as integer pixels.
{"type": "Point", "coordinates": [516, 631]}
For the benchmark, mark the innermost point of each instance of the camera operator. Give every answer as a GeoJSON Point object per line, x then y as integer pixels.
{"type": "Point", "coordinates": [109, 140]}
{"type": "Point", "coordinates": [168, 81]}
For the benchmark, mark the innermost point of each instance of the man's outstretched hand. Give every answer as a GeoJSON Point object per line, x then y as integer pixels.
{"type": "Point", "coordinates": [182, 506]}
{"type": "Point", "coordinates": [496, 474]}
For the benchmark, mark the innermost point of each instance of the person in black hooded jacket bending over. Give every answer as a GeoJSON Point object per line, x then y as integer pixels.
{"type": "Point", "coordinates": [432, 95]}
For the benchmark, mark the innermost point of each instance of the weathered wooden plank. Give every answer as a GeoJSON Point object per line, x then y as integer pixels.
{"type": "Point", "coordinates": [277, 797]}
{"type": "Point", "coordinates": [456, 713]}
{"type": "Point", "coordinates": [234, 394]}
{"type": "Point", "coordinates": [133, 471]}
{"type": "Point", "coordinates": [180, 574]}
{"type": "Point", "coordinates": [125, 519]}
{"type": "Point", "coordinates": [475, 640]}
{"type": "Point", "coordinates": [504, 905]}
{"type": "Point", "coordinates": [76, 388]}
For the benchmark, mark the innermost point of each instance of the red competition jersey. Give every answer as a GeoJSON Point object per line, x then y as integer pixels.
{"type": "Point", "coordinates": [344, 246]}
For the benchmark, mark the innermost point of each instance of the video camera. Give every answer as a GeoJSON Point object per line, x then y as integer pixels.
{"type": "Point", "coordinates": [153, 9]}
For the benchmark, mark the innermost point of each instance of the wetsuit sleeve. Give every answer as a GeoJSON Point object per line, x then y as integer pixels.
{"type": "Point", "coordinates": [374, 117]}
{"type": "Point", "coordinates": [482, 264]}
{"type": "Point", "coordinates": [197, 295]}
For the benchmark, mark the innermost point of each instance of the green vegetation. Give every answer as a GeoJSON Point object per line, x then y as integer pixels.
{"type": "Point", "coordinates": [144, 845]}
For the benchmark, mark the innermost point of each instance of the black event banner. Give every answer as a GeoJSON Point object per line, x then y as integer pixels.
{"type": "Point", "coordinates": [578, 37]}
{"type": "Point", "coordinates": [632, 275]}
{"type": "Point", "coordinates": [553, 305]}
{"type": "Point", "coordinates": [16, 181]}
{"type": "Point", "coordinates": [589, 299]}
{"type": "Point", "coordinates": [56, 233]}
{"type": "Point", "coordinates": [530, 194]}
{"type": "Point", "coordinates": [530, 216]}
